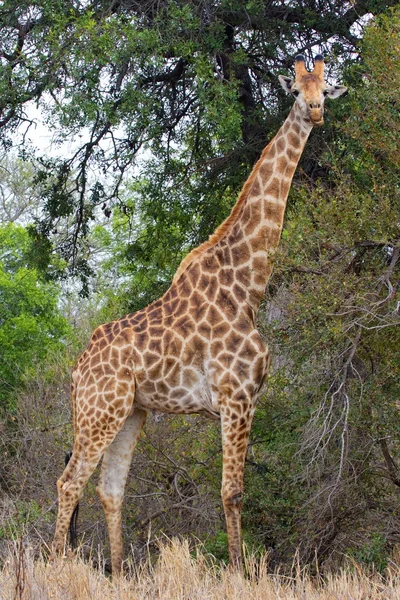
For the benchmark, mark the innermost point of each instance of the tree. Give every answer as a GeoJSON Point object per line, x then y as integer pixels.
{"type": "Point", "coordinates": [31, 325]}
{"type": "Point", "coordinates": [188, 90]}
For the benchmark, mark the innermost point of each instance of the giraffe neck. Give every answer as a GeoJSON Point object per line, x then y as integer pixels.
{"type": "Point", "coordinates": [254, 234]}
{"type": "Point", "coordinates": [246, 241]}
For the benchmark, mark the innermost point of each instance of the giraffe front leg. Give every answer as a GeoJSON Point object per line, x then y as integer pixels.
{"type": "Point", "coordinates": [113, 476]}
{"type": "Point", "coordinates": [236, 418]}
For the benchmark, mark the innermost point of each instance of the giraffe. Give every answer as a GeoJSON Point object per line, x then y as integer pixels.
{"type": "Point", "coordinates": [196, 349]}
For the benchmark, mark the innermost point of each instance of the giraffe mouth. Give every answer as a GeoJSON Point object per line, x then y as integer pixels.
{"type": "Point", "coordinates": [317, 122]}
{"type": "Point", "coordinates": [316, 117]}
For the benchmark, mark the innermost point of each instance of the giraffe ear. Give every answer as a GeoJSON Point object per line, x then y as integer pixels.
{"type": "Point", "coordinates": [334, 91]}
{"type": "Point", "coordinates": [286, 83]}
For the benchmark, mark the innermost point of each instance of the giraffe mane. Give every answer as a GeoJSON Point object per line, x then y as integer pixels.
{"type": "Point", "coordinates": [226, 225]}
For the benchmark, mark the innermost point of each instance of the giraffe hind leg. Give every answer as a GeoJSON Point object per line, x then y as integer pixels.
{"type": "Point", "coordinates": [91, 441]}
{"type": "Point", "coordinates": [70, 487]}
{"type": "Point", "coordinates": [113, 476]}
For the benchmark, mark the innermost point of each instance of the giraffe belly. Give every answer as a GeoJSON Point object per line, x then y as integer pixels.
{"type": "Point", "coordinates": [161, 396]}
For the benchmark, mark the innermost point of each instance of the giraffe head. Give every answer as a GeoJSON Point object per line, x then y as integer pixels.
{"type": "Point", "coordinates": [310, 89]}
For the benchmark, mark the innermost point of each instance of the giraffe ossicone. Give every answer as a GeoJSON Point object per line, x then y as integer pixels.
{"type": "Point", "coordinates": [196, 349]}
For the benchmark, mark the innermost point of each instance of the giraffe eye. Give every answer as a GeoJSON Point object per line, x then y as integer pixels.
{"type": "Point", "coordinates": [295, 93]}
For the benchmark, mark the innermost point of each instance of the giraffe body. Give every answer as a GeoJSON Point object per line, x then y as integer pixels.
{"type": "Point", "coordinates": [196, 349]}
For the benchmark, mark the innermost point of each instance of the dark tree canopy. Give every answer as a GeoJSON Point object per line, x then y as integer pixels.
{"type": "Point", "coordinates": [189, 88]}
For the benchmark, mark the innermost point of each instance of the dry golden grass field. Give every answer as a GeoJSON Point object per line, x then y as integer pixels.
{"type": "Point", "coordinates": [178, 575]}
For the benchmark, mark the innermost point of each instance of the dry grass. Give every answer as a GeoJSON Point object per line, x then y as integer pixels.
{"type": "Point", "coordinates": [178, 575]}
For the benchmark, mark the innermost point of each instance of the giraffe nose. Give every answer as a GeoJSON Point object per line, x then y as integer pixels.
{"type": "Point", "coordinates": [313, 105]}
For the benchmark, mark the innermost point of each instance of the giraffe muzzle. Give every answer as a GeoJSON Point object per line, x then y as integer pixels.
{"type": "Point", "coordinates": [317, 117]}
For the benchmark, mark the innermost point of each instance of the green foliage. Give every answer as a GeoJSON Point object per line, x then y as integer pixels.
{"type": "Point", "coordinates": [376, 104]}
{"type": "Point", "coordinates": [217, 545]}
{"type": "Point", "coordinates": [24, 514]}
{"type": "Point", "coordinates": [31, 324]}
{"type": "Point", "coordinates": [373, 553]}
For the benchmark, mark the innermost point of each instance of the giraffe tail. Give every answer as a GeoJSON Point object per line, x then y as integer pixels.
{"type": "Point", "coordinates": [74, 519]}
